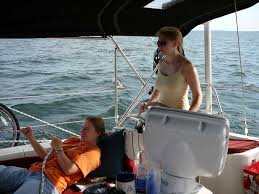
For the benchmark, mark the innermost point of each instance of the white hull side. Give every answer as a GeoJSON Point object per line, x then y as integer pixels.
{"type": "Point", "coordinates": [231, 180]}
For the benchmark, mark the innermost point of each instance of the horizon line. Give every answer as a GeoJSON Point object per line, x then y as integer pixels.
{"type": "Point", "coordinates": [230, 30]}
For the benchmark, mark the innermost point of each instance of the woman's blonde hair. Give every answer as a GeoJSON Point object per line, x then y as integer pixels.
{"type": "Point", "coordinates": [172, 33]}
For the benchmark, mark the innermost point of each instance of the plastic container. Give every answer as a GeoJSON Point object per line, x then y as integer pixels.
{"type": "Point", "coordinates": [153, 181]}
{"type": "Point", "coordinates": [141, 179]}
{"type": "Point", "coordinates": [126, 182]}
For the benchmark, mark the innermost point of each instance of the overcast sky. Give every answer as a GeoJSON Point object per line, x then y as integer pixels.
{"type": "Point", "coordinates": [248, 19]}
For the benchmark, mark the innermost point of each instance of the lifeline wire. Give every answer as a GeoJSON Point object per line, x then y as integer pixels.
{"type": "Point", "coordinates": [241, 72]}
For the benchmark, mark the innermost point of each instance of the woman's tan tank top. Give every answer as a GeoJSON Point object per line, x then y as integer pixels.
{"type": "Point", "coordinates": [173, 90]}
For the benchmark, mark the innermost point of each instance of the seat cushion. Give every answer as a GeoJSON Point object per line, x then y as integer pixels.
{"type": "Point", "coordinates": [112, 155]}
{"type": "Point", "coordinates": [239, 146]}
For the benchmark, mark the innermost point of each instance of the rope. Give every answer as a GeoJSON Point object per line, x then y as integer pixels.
{"type": "Point", "coordinates": [24, 141]}
{"type": "Point", "coordinates": [62, 123]}
{"type": "Point", "coordinates": [30, 116]}
{"type": "Point", "coordinates": [52, 95]}
{"type": "Point", "coordinates": [48, 133]}
{"type": "Point", "coordinates": [68, 122]}
{"type": "Point", "coordinates": [241, 72]}
{"type": "Point", "coordinates": [42, 171]}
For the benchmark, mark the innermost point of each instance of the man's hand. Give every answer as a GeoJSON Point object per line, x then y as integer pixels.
{"type": "Point", "coordinates": [56, 143]}
{"type": "Point", "coordinates": [27, 131]}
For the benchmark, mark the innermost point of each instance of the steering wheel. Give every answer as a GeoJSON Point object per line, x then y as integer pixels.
{"type": "Point", "coordinates": [9, 127]}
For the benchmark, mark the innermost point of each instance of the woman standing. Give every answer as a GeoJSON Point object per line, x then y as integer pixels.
{"type": "Point", "coordinates": [176, 75]}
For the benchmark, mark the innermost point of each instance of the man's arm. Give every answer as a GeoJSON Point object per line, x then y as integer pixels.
{"type": "Point", "coordinates": [42, 152]}
{"type": "Point", "coordinates": [67, 166]}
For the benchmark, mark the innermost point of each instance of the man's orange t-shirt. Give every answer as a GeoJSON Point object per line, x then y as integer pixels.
{"type": "Point", "coordinates": [87, 158]}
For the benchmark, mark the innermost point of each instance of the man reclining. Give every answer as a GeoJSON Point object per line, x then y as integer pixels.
{"type": "Point", "coordinates": [69, 161]}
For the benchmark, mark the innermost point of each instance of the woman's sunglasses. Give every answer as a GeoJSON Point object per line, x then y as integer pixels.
{"type": "Point", "coordinates": [161, 43]}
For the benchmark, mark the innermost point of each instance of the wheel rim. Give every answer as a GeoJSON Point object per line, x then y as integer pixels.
{"type": "Point", "coordinates": [9, 127]}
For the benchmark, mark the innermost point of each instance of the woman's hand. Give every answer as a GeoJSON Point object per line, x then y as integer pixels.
{"type": "Point", "coordinates": [56, 143]}
{"type": "Point", "coordinates": [27, 132]}
{"type": "Point", "coordinates": [143, 107]}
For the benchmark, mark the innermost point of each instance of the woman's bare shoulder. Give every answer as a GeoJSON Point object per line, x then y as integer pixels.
{"type": "Point", "coordinates": [187, 64]}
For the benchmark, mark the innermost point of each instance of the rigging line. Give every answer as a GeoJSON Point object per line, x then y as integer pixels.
{"type": "Point", "coordinates": [32, 117]}
{"type": "Point", "coordinates": [24, 141]}
{"type": "Point", "coordinates": [61, 123]}
{"type": "Point", "coordinates": [207, 14]}
{"type": "Point", "coordinates": [48, 135]}
{"type": "Point", "coordinates": [241, 71]}
{"type": "Point", "coordinates": [136, 99]}
{"type": "Point", "coordinates": [127, 60]}
{"type": "Point", "coordinates": [69, 122]}
{"type": "Point", "coordinates": [52, 95]}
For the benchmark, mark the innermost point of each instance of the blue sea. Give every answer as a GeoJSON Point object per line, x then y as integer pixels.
{"type": "Point", "coordinates": [84, 68]}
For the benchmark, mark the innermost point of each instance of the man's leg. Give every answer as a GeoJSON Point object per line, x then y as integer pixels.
{"type": "Point", "coordinates": [11, 178]}
{"type": "Point", "coordinates": [32, 185]}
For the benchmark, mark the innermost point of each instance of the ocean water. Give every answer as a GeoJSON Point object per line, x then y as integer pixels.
{"type": "Point", "coordinates": [34, 67]}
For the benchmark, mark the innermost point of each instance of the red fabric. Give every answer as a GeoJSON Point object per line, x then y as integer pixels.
{"type": "Point", "coordinates": [69, 191]}
{"type": "Point", "coordinates": [247, 182]}
{"type": "Point", "coordinates": [130, 165]}
{"type": "Point", "coordinates": [239, 146]}
{"type": "Point", "coordinates": [252, 169]}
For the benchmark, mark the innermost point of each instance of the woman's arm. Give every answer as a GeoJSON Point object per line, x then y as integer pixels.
{"type": "Point", "coordinates": [154, 97]}
{"type": "Point", "coordinates": [42, 152]}
{"type": "Point", "coordinates": [192, 78]}
{"type": "Point", "coordinates": [67, 166]}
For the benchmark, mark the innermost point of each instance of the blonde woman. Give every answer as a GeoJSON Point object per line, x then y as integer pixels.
{"type": "Point", "coordinates": [176, 75]}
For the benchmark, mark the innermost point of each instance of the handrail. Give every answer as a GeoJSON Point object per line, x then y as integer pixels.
{"type": "Point", "coordinates": [217, 97]}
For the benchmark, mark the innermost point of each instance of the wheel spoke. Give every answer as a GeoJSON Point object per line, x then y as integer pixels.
{"type": "Point", "coordinates": [3, 121]}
